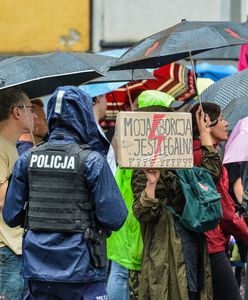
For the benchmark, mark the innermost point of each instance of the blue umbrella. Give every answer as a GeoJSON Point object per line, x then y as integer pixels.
{"type": "Point", "coordinates": [214, 72]}
{"type": "Point", "coordinates": [99, 87]}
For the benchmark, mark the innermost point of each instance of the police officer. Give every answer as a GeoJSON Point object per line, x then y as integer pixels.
{"type": "Point", "coordinates": [65, 196]}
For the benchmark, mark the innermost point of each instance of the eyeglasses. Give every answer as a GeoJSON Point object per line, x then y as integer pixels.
{"type": "Point", "coordinates": [31, 107]}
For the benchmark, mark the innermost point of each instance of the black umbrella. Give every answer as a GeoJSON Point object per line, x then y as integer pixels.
{"type": "Point", "coordinates": [123, 75]}
{"type": "Point", "coordinates": [40, 75]}
{"type": "Point", "coordinates": [236, 110]}
{"type": "Point", "coordinates": [223, 91]}
{"type": "Point", "coordinates": [227, 53]}
{"type": "Point", "coordinates": [181, 41]}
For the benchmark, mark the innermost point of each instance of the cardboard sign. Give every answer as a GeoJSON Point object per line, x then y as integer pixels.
{"type": "Point", "coordinates": [155, 140]}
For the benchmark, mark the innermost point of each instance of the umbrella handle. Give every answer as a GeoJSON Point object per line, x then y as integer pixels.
{"type": "Point", "coordinates": [29, 124]}
{"type": "Point", "coordinates": [129, 97]}
{"type": "Point", "coordinates": [194, 75]}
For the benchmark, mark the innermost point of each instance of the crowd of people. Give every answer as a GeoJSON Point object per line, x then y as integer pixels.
{"type": "Point", "coordinates": [74, 225]}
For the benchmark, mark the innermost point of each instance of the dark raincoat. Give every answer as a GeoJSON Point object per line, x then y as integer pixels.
{"type": "Point", "coordinates": [60, 257]}
{"type": "Point", "coordinates": [172, 263]}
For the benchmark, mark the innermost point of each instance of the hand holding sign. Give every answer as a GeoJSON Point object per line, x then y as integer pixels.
{"type": "Point", "coordinates": [152, 176]}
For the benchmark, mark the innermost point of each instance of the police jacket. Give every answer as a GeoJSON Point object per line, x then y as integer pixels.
{"type": "Point", "coordinates": [58, 256]}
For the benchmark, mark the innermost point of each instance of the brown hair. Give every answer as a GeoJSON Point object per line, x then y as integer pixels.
{"type": "Point", "coordinates": [9, 98]}
{"type": "Point", "coordinates": [37, 102]}
{"type": "Point", "coordinates": [213, 110]}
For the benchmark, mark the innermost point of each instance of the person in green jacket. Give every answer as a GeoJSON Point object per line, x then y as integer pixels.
{"type": "Point", "coordinates": [175, 264]}
{"type": "Point", "coordinates": [125, 247]}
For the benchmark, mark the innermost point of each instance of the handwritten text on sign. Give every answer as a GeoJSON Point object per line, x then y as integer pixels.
{"type": "Point", "coordinates": [161, 140]}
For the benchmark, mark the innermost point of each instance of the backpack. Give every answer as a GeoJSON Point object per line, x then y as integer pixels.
{"type": "Point", "coordinates": [202, 211]}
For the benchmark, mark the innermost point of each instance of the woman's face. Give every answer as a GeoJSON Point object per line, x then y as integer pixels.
{"type": "Point", "coordinates": [219, 132]}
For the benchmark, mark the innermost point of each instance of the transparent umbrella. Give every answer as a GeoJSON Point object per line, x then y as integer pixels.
{"type": "Point", "coordinates": [224, 91]}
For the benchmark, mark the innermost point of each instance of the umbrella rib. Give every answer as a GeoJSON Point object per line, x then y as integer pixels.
{"type": "Point", "coordinates": [101, 72]}
{"type": "Point", "coordinates": [133, 86]}
{"type": "Point", "coordinates": [219, 35]}
{"type": "Point", "coordinates": [49, 76]}
{"type": "Point", "coordinates": [30, 66]}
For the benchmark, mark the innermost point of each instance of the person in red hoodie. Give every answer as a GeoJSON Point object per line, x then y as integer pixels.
{"type": "Point", "coordinates": [224, 282]}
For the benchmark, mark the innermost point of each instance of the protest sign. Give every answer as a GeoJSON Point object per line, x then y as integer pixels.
{"type": "Point", "coordinates": [154, 140]}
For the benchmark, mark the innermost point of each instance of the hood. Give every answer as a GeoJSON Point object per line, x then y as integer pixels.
{"type": "Point", "coordinates": [70, 112]}
{"type": "Point", "coordinates": [154, 97]}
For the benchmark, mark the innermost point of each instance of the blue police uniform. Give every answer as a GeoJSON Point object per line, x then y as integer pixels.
{"type": "Point", "coordinates": [57, 261]}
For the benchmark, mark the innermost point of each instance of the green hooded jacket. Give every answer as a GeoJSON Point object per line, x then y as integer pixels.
{"type": "Point", "coordinates": [125, 246]}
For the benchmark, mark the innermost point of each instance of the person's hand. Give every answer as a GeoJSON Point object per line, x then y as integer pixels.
{"type": "Point", "coordinates": [203, 122]}
{"type": "Point", "coordinates": [152, 175]}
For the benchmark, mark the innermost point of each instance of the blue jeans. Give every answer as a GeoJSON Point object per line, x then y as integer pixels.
{"type": "Point", "coordinates": [11, 281]}
{"type": "Point", "coordinates": [117, 286]}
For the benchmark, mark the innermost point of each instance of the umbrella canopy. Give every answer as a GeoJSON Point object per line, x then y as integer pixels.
{"type": "Point", "coordinates": [243, 58]}
{"type": "Point", "coordinates": [40, 75]}
{"type": "Point", "coordinates": [214, 72]}
{"type": "Point", "coordinates": [174, 79]}
{"type": "Point", "coordinates": [236, 110]}
{"type": "Point", "coordinates": [98, 89]}
{"type": "Point", "coordinates": [113, 80]}
{"type": "Point", "coordinates": [123, 76]}
{"type": "Point", "coordinates": [203, 84]}
{"type": "Point", "coordinates": [228, 53]}
{"type": "Point", "coordinates": [120, 75]}
{"type": "Point", "coordinates": [237, 144]}
{"type": "Point", "coordinates": [180, 41]}
{"type": "Point", "coordinates": [222, 92]}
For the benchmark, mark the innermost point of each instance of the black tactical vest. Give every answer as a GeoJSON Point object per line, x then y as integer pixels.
{"type": "Point", "coordinates": [58, 195]}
